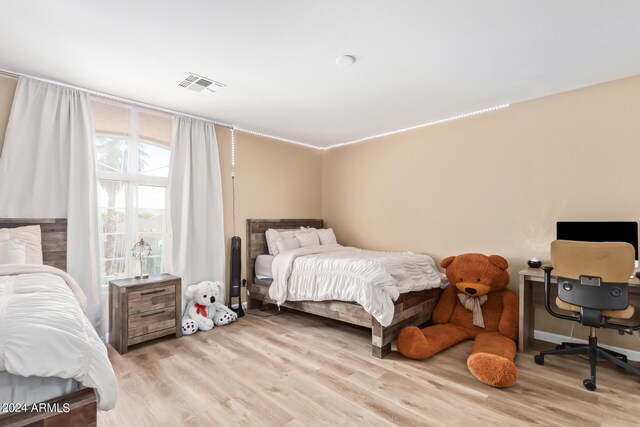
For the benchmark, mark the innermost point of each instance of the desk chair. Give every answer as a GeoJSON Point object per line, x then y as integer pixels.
{"type": "Point", "coordinates": [593, 280]}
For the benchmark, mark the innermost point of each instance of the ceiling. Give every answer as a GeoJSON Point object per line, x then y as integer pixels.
{"type": "Point", "coordinates": [417, 61]}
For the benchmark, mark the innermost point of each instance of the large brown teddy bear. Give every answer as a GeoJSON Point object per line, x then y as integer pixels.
{"type": "Point", "coordinates": [475, 306]}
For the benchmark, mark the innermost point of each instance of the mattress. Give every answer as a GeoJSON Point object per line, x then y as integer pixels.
{"type": "Point", "coordinates": [263, 266]}
{"type": "Point", "coordinates": [28, 390]}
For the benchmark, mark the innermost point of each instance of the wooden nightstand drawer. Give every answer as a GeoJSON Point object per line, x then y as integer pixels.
{"type": "Point", "coordinates": [152, 299]}
{"type": "Point", "coordinates": [144, 309]}
{"type": "Point", "coordinates": [158, 334]}
{"type": "Point", "coordinates": [151, 321]}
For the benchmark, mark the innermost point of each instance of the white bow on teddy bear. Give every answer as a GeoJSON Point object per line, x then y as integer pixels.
{"type": "Point", "coordinates": [205, 308]}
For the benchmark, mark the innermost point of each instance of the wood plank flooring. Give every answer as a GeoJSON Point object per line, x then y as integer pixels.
{"type": "Point", "coordinates": [297, 369]}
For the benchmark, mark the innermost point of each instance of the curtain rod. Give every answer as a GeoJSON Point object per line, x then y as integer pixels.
{"type": "Point", "coordinates": [115, 98]}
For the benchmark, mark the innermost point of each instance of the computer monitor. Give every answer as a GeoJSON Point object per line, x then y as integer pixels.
{"type": "Point", "coordinates": [599, 231]}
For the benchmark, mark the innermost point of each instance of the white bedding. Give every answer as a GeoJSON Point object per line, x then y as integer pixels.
{"type": "Point", "coordinates": [44, 332]}
{"type": "Point", "coordinates": [334, 272]}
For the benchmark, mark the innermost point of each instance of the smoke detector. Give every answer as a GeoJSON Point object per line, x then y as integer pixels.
{"type": "Point", "coordinates": [345, 60]}
{"type": "Point", "coordinates": [198, 83]}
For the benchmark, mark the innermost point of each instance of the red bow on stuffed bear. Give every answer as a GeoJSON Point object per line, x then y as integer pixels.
{"type": "Point", "coordinates": [201, 309]}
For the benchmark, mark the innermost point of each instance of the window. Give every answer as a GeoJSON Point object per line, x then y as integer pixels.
{"type": "Point", "coordinates": [132, 156]}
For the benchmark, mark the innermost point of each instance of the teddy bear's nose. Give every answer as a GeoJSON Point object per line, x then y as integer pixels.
{"type": "Point", "coordinates": [467, 290]}
{"type": "Point", "coordinates": [212, 299]}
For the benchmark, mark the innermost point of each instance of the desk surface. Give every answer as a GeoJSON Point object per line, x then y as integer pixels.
{"type": "Point", "coordinates": [537, 275]}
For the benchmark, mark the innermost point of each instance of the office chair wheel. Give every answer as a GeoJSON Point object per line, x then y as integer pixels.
{"type": "Point", "coordinates": [589, 385]}
{"type": "Point", "coordinates": [539, 359]}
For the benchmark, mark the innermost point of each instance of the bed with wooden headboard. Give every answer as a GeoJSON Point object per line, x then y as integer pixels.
{"type": "Point", "coordinates": [54, 238]}
{"type": "Point", "coordinates": [412, 308]}
{"type": "Point", "coordinates": [82, 404]}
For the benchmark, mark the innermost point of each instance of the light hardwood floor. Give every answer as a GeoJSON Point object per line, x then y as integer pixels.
{"type": "Point", "coordinates": [297, 369]}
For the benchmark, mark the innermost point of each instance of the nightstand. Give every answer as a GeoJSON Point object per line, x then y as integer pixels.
{"type": "Point", "coordinates": [144, 309]}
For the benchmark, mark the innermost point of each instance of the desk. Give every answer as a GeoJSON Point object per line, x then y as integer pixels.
{"type": "Point", "coordinates": [531, 290]}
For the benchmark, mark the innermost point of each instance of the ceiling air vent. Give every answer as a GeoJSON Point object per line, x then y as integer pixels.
{"type": "Point", "coordinates": [198, 83]}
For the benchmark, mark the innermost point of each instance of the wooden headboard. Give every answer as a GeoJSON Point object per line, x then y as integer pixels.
{"type": "Point", "coordinates": [54, 237]}
{"type": "Point", "coordinates": [257, 242]}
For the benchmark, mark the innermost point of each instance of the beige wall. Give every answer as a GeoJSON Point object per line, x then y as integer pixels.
{"type": "Point", "coordinates": [273, 180]}
{"type": "Point", "coordinates": [493, 183]}
{"type": "Point", "coordinates": [7, 89]}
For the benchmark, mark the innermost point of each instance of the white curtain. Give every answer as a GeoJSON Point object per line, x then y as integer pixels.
{"type": "Point", "coordinates": [194, 247]}
{"type": "Point", "coordinates": [47, 170]}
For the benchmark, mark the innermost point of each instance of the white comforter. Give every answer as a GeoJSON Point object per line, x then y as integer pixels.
{"type": "Point", "coordinates": [334, 272]}
{"type": "Point", "coordinates": [44, 332]}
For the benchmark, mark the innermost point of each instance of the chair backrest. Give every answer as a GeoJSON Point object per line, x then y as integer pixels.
{"type": "Point", "coordinates": [579, 264]}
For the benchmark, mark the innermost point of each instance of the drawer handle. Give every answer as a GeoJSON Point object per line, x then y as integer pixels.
{"type": "Point", "coordinates": [152, 314]}
{"type": "Point", "coordinates": [152, 292]}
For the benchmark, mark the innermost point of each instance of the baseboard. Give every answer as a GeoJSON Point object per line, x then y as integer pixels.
{"type": "Point", "coordinates": [557, 339]}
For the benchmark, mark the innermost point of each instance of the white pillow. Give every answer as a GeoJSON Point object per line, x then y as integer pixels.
{"type": "Point", "coordinates": [272, 235]}
{"type": "Point", "coordinates": [308, 238]}
{"type": "Point", "coordinates": [285, 245]}
{"type": "Point", "coordinates": [13, 252]}
{"type": "Point", "coordinates": [31, 235]}
{"type": "Point", "coordinates": [327, 237]}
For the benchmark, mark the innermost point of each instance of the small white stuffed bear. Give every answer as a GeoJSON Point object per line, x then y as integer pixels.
{"type": "Point", "coordinates": [205, 308]}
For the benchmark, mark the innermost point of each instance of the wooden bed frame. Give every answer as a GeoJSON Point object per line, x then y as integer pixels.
{"type": "Point", "coordinates": [82, 404]}
{"type": "Point", "coordinates": [412, 308]}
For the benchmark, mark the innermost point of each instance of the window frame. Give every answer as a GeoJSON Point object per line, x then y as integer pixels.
{"type": "Point", "coordinates": [132, 180]}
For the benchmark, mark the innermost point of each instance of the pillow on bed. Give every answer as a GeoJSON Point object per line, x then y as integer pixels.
{"type": "Point", "coordinates": [272, 235]}
{"type": "Point", "coordinates": [285, 245]}
{"type": "Point", "coordinates": [308, 238]}
{"type": "Point", "coordinates": [13, 252]}
{"type": "Point", "coordinates": [327, 236]}
{"type": "Point", "coordinates": [32, 238]}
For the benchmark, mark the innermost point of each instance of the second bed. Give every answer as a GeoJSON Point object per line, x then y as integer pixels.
{"type": "Point", "coordinates": [378, 290]}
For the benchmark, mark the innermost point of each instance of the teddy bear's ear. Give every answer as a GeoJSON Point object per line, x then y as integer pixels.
{"type": "Point", "coordinates": [191, 291]}
{"type": "Point", "coordinates": [447, 261]}
{"type": "Point", "coordinates": [221, 292]}
{"type": "Point", "coordinates": [498, 261]}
